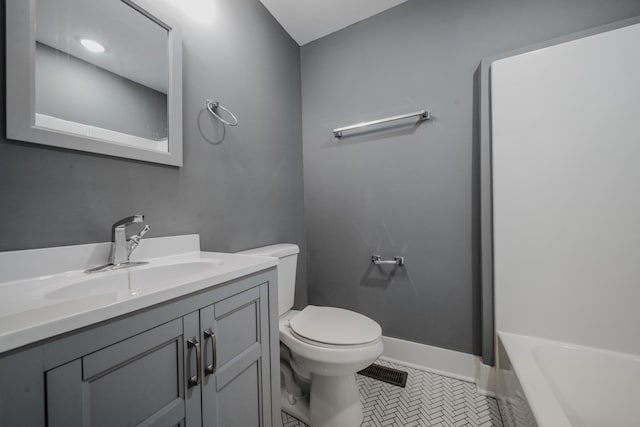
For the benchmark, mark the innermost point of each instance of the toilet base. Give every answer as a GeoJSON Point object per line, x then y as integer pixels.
{"type": "Point", "coordinates": [298, 410]}
{"type": "Point", "coordinates": [335, 402]}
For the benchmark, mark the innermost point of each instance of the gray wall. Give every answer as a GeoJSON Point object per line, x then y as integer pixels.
{"type": "Point", "coordinates": [411, 191]}
{"type": "Point", "coordinates": [244, 192]}
{"type": "Point", "coordinates": [72, 89]}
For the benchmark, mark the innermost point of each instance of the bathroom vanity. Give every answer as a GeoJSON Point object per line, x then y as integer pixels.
{"type": "Point", "coordinates": [190, 339]}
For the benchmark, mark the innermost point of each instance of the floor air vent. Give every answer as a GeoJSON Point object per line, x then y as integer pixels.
{"type": "Point", "coordinates": [386, 374]}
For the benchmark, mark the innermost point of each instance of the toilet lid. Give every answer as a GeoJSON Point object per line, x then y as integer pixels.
{"type": "Point", "coordinates": [336, 326]}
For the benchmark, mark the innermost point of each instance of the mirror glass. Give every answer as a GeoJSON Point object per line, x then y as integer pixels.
{"type": "Point", "coordinates": [101, 72]}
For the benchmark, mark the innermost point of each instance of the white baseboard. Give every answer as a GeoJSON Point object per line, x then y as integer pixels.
{"type": "Point", "coordinates": [454, 364]}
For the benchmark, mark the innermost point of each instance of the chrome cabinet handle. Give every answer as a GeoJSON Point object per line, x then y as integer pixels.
{"type": "Point", "coordinates": [377, 260]}
{"type": "Point", "coordinates": [211, 369]}
{"type": "Point", "coordinates": [195, 380]}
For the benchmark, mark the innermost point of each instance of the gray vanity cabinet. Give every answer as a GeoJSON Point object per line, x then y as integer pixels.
{"type": "Point", "coordinates": [207, 359]}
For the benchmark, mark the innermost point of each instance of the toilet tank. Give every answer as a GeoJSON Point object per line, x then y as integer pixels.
{"type": "Point", "coordinates": [288, 260]}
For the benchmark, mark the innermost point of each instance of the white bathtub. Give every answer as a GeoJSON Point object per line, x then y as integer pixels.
{"type": "Point", "coordinates": [566, 385]}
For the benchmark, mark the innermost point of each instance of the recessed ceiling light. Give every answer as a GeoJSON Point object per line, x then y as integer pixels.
{"type": "Point", "coordinates": [92, 46]}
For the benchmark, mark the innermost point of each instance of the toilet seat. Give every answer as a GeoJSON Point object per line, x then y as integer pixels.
{"type": "Point", "coordinates": [331, 326]}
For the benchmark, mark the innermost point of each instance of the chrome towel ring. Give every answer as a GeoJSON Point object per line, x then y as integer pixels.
{"type": "Point", "coordinates": [213, 107]}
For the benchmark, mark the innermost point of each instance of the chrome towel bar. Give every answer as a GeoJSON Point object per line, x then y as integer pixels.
{"type": "Point", "coordinates": [422, 115]}
{"type": "Point", "coordinates": [377, 260]}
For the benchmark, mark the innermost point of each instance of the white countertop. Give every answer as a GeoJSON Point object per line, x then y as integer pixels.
{"type": "Point", "coordinates": [46, 305]}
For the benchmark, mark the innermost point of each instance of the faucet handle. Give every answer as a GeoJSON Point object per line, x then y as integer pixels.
{"type": "Point", "coordinates": [136, 237]}
{"type": "Point", "coordinates": [144, 231]}
{"type": "Point", "coordinates": [134, 240]}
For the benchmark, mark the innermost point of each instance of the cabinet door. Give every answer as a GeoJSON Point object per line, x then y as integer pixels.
{"type": "Point", "coordinates": [235, 339]}
{"type": "Point", "coordinates": [136, 382]}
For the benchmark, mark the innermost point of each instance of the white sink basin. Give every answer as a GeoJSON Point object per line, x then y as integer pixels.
{"type": "Point", "coordinates": [136, 281]}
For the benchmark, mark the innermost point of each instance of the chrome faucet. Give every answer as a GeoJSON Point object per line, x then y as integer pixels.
{"type": "Point", "coordinates": [121, 247]}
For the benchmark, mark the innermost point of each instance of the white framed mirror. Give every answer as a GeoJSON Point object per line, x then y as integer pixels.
{"type": "Point", "coordinates": [103, 76]}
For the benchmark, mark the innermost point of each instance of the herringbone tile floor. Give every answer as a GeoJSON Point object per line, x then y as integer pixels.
{"type": "Point", "coordinates": [428, 400]}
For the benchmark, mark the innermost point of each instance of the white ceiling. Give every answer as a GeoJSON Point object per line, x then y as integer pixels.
{"type": "Point", "coordinates": [136, 46]}
{"type": "Point", "coordinates": [308, 20]}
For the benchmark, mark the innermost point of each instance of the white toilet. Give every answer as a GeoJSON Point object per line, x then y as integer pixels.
{"type": "Point", "coordinates": [321, 349]}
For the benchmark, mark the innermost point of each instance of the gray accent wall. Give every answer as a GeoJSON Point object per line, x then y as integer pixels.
{"type": "Point", "coordinates": [412, 191]}
{"type": "Point", "coordinates": [238, 189]}
{"type": "Point", "coordinates": [71, 89]}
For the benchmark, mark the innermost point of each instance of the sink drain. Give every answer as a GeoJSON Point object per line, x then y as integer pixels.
{"type": "Point", "coordinates": [386, 374]}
